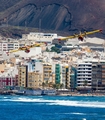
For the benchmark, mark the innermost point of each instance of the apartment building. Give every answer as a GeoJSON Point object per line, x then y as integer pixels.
{"type": "Point", "coordinates": [4, 46]}
{"type": "Point", "coordinates": [65, 76]}
{"type": "Point", "coordinates": [7, 46]}
{"type": "Point", "coordinates": [57, 73]}
{"type": "Point", "coordinates": [73, 78]}
{"type": "Point", "coordinates": [41, 37]}
{"type": "Point", "coordinates": [47, 72]}
{"type": "Point", "coordinates": [11, 44]}
{"type": "Point", "coordinates": [6, 81]}
{"type": "Point", "coordinates": [35, 65]}
{"type": "Point", "coordinates": [103, 76]}
{"type": "Point", "coordinates": [23, 75]}
{"type": "Point", "coordinates": [84, 75]}
{"type": "Point", "coordinates": [62, 75]}
{"type": "Point", "coordinates": [35, 80]}
{"type": "Point", "coordinates": [98, 76]}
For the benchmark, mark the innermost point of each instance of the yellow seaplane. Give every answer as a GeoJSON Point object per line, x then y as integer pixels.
{"type": "Point", "coordinates": [81, 35]}
{"type": "Point", "coordinates": [26, 48]}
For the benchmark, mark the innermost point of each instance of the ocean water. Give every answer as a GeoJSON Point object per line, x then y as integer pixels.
{"type": "Point", "coordinates": [52, 108]}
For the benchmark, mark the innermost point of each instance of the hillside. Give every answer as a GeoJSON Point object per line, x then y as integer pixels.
{"type": "Point", "coordinates": [70, 16]}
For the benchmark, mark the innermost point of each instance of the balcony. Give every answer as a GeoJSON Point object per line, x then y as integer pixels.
{"type": "Point", "coordinates": [84, 66]}
{"type": "Point", "coordinates": [85, 70]}
{"type": "Point", "coordinates": [83, 73]}
{"type": "Point", "coordinates": [84, 76]}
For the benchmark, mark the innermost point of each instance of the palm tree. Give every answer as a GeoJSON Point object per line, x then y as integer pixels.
{"type": "Point", "coordinates": [85, 83]}
{"type": "Point", "coordinates": [57, 86]}
{"type": "Point", "coordinates": [46, 83]}
{"type": "Point", "coordinates": [43, 85]}
{"type": "Point", "coordinates": [61, 85]}
{"type": "Point", "coordinates": [54, 86]}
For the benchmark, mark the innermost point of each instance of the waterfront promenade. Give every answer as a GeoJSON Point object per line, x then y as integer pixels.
{"type": "Point", "coordinates": [53, 93]}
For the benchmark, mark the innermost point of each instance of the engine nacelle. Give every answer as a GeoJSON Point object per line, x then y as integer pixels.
{"type": "Point", "coordinates": [80, 38]}
{"type": "Point", "coordinates": [45, 43]}
{"type": "Point", "coordinates": [27, 50]}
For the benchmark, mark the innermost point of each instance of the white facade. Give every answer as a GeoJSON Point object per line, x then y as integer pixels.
{"type": "Point", "coordinates": [7, 46]}
{"type": "Point", "coordinates": [13, 45]}
{"type": "Point", "coordinates": [41, 37]}
{"type": "Point", "coordinates": [84, 75]}
{"type": "Point", "coordinates": [34, 66]}
{"type": "Point", "coordinates": [3, 46]}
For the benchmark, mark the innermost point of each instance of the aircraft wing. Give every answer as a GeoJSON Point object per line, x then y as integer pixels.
{"type": "Point", "coordinates": [69, 37]}
{"type": "Point", "coordinates": [81, 34]}
{"type": "Point", "coordinates": [11, 51]}
{"type": "Point", "coordinates": [91, 32]}
{"type": "Point", "coordinates": [19, 49]}
{"type": "Point", "coordinates": [35, 45]}
{"type": "Point", "coordinates": [22, 48]}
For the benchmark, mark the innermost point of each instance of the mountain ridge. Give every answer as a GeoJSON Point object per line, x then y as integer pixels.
{"type": "Point", "coordinates": [68, 16]}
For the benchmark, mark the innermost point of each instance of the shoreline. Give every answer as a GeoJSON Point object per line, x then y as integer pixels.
{"type": "Point", "coordinates": [51, 93]}
{"type": "Point", "coordinates": [91, 95]}
{"type": "Point", "coordinates": [62, 94]}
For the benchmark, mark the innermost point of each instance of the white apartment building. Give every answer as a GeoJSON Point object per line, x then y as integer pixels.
{"type": "Point", "coordinates": [84, 75]}
{"type": "Point", "coordinates": [13, 45]}
{"type": "Point", "coordinates": [3, 46]}
{"type": "Point", "coordinates": [10, 45]}
{"type": "Point", "coordinates": [41, 37]}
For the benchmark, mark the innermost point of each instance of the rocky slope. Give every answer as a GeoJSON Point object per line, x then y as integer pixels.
{"type": "Point", "coordinates": [69, 16]}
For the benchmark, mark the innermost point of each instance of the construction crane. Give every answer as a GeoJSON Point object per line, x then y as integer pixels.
{"type": "Point", "coordinates": [26, 48]}
{"type": "Point", "coordinates": [80, 36]}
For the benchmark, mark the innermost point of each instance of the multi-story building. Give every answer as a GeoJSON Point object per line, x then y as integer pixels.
{"type": "Point", "coordinates": [84, 75]}
{"type": "Point", "coordinates": [13, 45]}
{"type": "Point", "coordinates": [23, 75]}
{"type": "Point", "coordinates": [4, 46]}
{"type": "Point", "coordinates": [73, 78]}
{"type": "Point", "coordinates": [35, 65]}
{"type": "Point", "coordinates": [65, 76]}
{"type": "Point", "coordinates": [103, 76]}
{"type": "Point", "coordinates": [41, 37]}
{"type": "Point", "coordinates": [62, 75]}
{"type": "Point", "coordinates": [7, 46]}
{"type": "Point", "coordinates": [9, 77]}
{"type": "Point", "coordinates": [57, 73]}
{"type": "Point", "coordinates": [98, 76]}
{"type": "Point", "coordinates": [47, 72]}
{"type": "Point", "coordinates": [35, 80]}
{"type": "Point", "coordinates": [68, 72]}
{"type": "Point", "coordinates": [6, 81]}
